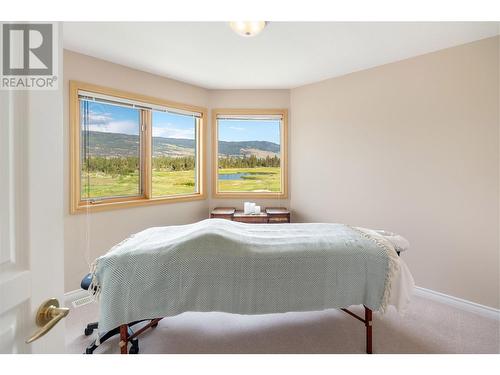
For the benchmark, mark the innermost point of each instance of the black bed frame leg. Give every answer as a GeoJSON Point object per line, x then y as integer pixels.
{"type": "Point", "coordinates": [368, 325]}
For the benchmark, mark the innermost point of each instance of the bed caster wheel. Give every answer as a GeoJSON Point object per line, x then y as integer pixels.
{"type": "Point", "coordinates": [89, 351]}
{"type": "Point", "coordinates": [134, 349]}
{"type": "Point", "coordinates": [88, 331]}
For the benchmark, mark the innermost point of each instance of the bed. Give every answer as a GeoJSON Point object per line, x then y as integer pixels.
{"type": "Point", "coordinates": [221, 265]}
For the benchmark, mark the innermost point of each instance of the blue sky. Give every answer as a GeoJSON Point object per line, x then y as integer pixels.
{"type": "Point", "coordinates": [249, 130]}
{"type": "Point", "coordinates": [114, 119]}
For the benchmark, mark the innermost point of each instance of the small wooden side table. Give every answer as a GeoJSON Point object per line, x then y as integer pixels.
{"type": "Point", "coordinates": [270, 215]}
{"type": "Point", "coordinates": [241, 217]}
{"type": "Point", "coordinates": [222, 213]}
{"type": "Point", "coordinates": [278, 215]}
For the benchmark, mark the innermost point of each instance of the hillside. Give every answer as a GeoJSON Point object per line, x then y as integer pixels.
{"type": "Point", "coordinates": [247, 148]}
{"type": "Point", "coordinates": [122, 145]}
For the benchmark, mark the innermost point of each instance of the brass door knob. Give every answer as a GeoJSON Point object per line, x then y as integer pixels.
{"type": "Point", "coordinates": [48, 315]}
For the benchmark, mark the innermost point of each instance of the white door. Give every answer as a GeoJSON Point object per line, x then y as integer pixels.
{"type": "Point", "coordinates": [31, 215]}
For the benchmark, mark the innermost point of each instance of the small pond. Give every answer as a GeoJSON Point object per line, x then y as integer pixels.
{"type": "Point", "coordinates": [233, 176]}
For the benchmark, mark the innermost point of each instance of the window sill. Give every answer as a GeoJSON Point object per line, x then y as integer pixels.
{"type": "Point", "coordinates": [83, 207]}
{"type": "Point", "coordinates": [238, 195]}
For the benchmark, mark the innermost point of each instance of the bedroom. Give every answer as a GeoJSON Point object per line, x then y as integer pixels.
{"type": "Point", "coordinates": [186, 135]}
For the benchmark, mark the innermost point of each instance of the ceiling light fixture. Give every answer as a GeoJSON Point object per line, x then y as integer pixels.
{"type": "Point", "coordinates": [248, 28]}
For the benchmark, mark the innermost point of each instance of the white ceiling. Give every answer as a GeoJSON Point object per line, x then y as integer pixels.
{"type": "Point", "coordinates": [284, 55]}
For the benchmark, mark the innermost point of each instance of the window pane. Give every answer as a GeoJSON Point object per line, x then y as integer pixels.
{"type": "Point", "coordinates": [110, 150]}
{"type": "Point", "coordinates": [249, 155]}
{"type": "Point", "coordinates": [174, 154]}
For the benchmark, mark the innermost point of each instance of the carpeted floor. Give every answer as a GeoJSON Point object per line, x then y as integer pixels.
{"type": "Point", "coordinates": [427, 327]}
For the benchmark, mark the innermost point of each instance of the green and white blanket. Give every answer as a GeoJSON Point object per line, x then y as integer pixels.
{"type": "Point", "coordinates": [220, 265]}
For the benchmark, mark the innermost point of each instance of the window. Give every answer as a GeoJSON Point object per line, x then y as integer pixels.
{"type": "Point", "coordinates": [110, 147]}
{"type": "Point", "coordinates": [249, 153]}
{"type": "Point", "coordinates": [174, 154]}
{"type": "Point", "coordinates": [128, 149]}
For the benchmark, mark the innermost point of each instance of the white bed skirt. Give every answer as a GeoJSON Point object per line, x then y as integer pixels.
{"type": "Point", "coordinates": [402, 288]}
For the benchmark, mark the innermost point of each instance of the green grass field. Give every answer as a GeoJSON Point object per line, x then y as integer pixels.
{"type": "Point", "coordinates": [106, 185]}
{"type": "Point", "coordinates": [258, 179]}
{"type": "Point", "coordinates": [179, 182]}
{"type": "Point", "coordinates": [164, 183]}
{"type": "Point", "coordinates": [173, 183]}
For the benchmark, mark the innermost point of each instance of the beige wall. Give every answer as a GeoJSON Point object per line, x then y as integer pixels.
{"type": "Point", "coordinates": [411, 147]}
{"type": "Point", "coordinates": [248, 99]}
{"type": "Point", "coordinates": [87, 237]}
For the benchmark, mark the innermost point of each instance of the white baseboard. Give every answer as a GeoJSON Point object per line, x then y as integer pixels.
{"type": "Point", "coordinates": [459, 303]}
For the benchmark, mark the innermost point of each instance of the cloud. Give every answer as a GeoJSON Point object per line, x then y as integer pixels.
{"type": "Point", "coordinates": [123, 127]}
{"type": "Point", "coordinates": [172, 132]}
{"type": "Point", "coordinates": [103, 122]}
{"type": "Point", "coordinates": [99, 118]}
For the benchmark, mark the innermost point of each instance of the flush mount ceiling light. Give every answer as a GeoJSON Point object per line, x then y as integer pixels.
{"type": "Point", "coordinates": [248, 28]}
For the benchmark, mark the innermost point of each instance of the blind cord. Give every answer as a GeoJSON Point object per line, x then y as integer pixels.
{"type": "Point", "coordinates": [86, 142]}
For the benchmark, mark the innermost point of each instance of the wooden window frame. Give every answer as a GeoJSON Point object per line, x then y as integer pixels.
{"type": "Point", "coordinates": [77, 205]}
{"type": "Point", "coordinates": [283, 153]}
